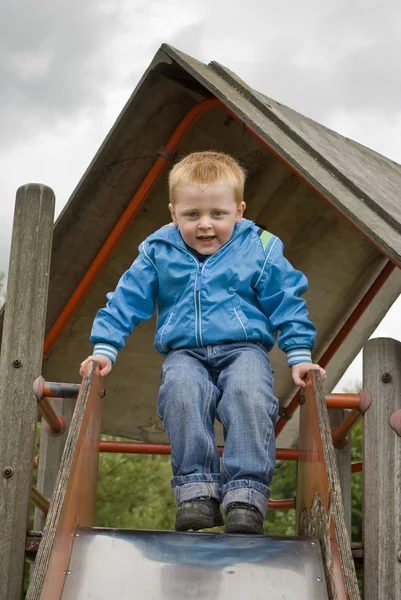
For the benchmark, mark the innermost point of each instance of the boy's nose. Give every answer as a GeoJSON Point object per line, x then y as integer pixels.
{"type": "Point", "coordinates": [204, 223]}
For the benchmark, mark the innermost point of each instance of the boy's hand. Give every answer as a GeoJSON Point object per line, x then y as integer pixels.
{"type": "Point", "coordinates": [105, 364]}
{"type": "Point", "coordinates": [299, 371]}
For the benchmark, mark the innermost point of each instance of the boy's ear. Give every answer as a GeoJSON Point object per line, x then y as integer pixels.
{"type": "Point", "coordinates": [240, 212]}
{"type": "Point", "coordinates": [172, 211]}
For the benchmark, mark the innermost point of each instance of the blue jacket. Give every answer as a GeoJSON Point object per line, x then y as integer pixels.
{"type": "Point", "coordinates": [246, 291]}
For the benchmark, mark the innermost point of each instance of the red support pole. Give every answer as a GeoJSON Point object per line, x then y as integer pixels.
{"type": "Point", "coordinates": [343, 401]}
{"type": "Point", "coordinates": [40, 501]}
{"type": "Point", "coordinates": [165, 449]}
{"type": "Point", "coordinates": [340, 433]}
{"type": "Point", "coordinates": [282, 504]}
{"type": "Point", "coordinates": [288, 411]}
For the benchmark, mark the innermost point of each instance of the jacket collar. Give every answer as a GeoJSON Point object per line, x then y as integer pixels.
{"type": "Point", "coordinates": [171, 234]}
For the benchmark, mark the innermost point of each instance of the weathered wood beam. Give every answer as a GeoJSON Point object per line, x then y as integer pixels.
{"type": "Point", "coordinates": [381, 471]}
{"type": "Point", "coordinates": [320, 511]}
{"type": "Point", "coordinates": [20, 364]}
{"type": "Point", "coordinates": [74, 498]}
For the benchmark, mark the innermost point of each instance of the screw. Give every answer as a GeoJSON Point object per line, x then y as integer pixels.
{"type": "Point", "coordinates": [386, 378]}
{"type": "Point", "coordinates": [8, 472]}
{"type": "Point", "coordinates": [301, 399]}
{"type": "Point", "coordinates": [17, 363]}
{"type": "Point", "coordinates": [399, 555]}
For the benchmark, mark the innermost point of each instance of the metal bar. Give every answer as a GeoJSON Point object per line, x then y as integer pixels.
{"type": "Point", "coordinates": [140, 196]}
{"type": "Point", "coordinates": [340, 433]}
{"type": "Point", "coordinates": [130, 212]}
{"type": "Point", "coordinates": [343, 401]}
{"type": "Point", "coordinates": [40, 501]}
{"type": "Point", "coordinates": [53, 389]}
{"type": "Point", "coordinates": [54, 424]}
{"type": "Point", "coordinates": [165, 449]}
{"type": "Point", "coordinates": [282, 504]}
{"type": "Point", "coordinates": [339, 339]}
{"type": "Point", "coordinates": [343, 458]}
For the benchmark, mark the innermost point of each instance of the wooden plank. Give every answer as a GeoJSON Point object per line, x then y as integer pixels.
{"type": "Point", "coordinates": [74, 499]}
{"type": "Point", "coordinates": [381, 471]}
{"type": "Point", "coordinates": [343, 456]}
{"type": "Point", "coordinates": [21, 362]}
{"type": "Point", "coordinates": [320, 512]}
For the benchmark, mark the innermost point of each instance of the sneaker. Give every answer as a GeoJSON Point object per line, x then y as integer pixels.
{"type": "Point", "coordinates": [199, 513]}
{"type": "Point", "coordinates": [243, 518]}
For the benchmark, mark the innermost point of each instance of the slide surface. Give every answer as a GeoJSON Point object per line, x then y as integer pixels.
{"type": "Point", "coordinates": [155, 565]}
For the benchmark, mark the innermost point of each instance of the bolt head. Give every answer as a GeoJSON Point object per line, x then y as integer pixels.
{"type": "Point", "coordinates": [8, 472]}
{"type": "Point", "coordinates": [17, 363]}
{"type": "Point", "coordinates": [386, 377]}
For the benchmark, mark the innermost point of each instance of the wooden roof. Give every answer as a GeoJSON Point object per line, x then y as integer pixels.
{"type": "Point", "coordinates": [333, 202]}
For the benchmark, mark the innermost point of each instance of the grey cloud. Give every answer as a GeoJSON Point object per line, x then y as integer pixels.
{"type": "Point", "coordinates": [316, 59]}
{"type": "Point", "coordinates": [53, 62]}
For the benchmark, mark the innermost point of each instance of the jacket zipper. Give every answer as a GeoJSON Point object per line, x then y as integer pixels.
{"type": "Point", "coordinates": [197, 287]}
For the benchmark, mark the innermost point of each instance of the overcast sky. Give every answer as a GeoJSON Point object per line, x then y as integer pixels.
{"type": "Point", "coordinates": [68, 67]}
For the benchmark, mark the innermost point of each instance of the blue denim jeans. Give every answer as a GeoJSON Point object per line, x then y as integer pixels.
{"type": "Point", "coordinates": [233, 383]}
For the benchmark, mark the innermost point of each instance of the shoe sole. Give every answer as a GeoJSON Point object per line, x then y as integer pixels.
{"type": "Point", "coordinates": [242, 529]}
{"type": "Point", "coordinates": [237, 522]}
{"type": "Point", "coordinates": [186, 522]}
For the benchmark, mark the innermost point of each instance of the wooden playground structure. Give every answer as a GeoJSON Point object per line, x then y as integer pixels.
{"type": "Point", "coordinates": [346, 238]}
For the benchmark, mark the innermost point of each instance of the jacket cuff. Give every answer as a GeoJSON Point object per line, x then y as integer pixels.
{"type": "Point", "coordinates": [106, 350]}
{"type": "Point", "coordinates": [299, 355]}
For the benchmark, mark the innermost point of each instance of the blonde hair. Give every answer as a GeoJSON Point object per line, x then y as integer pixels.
{"type": "Point", "coordinates": [207, 168]}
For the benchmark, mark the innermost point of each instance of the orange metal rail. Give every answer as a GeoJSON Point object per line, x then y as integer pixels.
{"type": "Point", "coordinates": [132, 209]}
{"type": "Point", "coordinates": [54, 423]}
{"type": "Point", "coordinates": [130, 212]}
{"type": "Point", "coordinates": [340, 433]}
{"type": "Point", "coordinates": [39, 501]}
{"type": "Point", "coordinates": [352, 418]}
{"type": "Point", "coordinates": [165, 449]}
{"type": "Point", "coordinates": [289, 410]}
{"type": "Point", "coordinates": [343, 401]}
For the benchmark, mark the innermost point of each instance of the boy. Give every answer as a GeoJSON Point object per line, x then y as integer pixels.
{"type": "Point", "coordinates": [223, 292]}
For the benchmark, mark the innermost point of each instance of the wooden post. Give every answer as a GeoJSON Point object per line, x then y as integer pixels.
{"type": "Point", "coordinates": [343, 457]}
{"type": "Point", "coordinates": [381, 471]}
{"type": "Point", "coordinates": [20, 364]}
{"type": "Point", "coordinates": [50, 453]}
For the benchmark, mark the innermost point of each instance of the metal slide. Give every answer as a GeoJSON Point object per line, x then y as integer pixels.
{"type": "Point", "coordinates": [76, 561]}
{"type": "Point", "coordinates": [115, 564]}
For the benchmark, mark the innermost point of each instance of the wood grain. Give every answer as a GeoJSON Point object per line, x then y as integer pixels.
{"type": "Point", "coordinates": [74, 497]}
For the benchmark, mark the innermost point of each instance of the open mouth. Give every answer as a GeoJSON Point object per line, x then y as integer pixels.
{"type": "Point", "coordinates": [205, 238]}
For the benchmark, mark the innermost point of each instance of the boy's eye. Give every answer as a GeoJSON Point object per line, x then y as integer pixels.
{"type": "Point", "coordinates": [217, 213]}
{"type": "Point", "coordinates": [192, 214]}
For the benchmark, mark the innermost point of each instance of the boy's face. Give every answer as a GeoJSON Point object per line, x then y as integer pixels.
{"type": "Point", "coordinates": [206, 218]}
